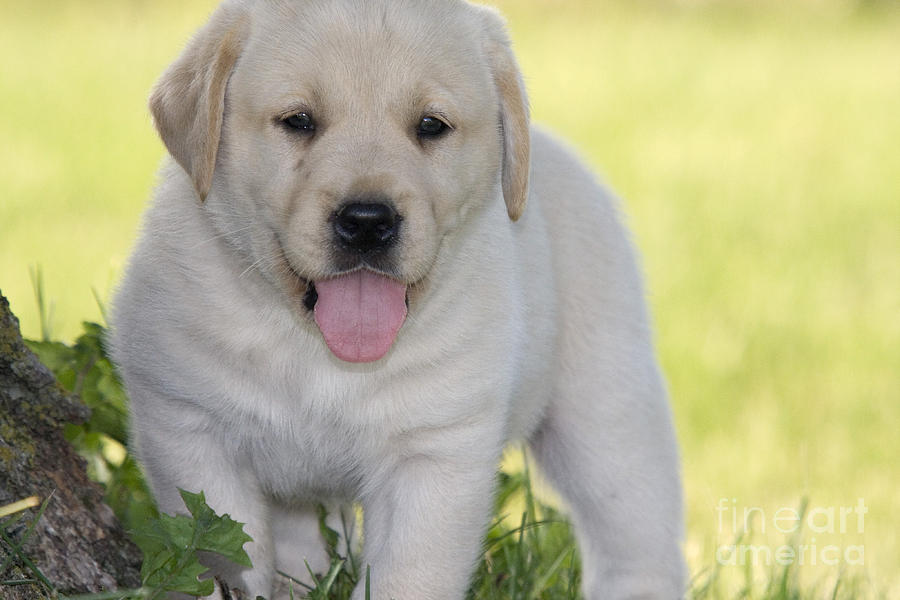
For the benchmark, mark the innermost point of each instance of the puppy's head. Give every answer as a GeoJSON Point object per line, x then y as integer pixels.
{"type": "Point", "coordinates": [335, 143]}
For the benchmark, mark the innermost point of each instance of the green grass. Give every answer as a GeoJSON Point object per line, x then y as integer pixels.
{"type": "Point", "coordinates": [755, 148]}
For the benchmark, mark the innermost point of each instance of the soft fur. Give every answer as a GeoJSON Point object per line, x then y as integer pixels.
{"type": "Point", "coordinates": [523, 323]}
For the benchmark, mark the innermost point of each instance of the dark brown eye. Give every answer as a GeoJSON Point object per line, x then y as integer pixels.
{"type": "Point", "coordinates": [430, 127]}
{"type": "Point", "coordinates": [301, 122]}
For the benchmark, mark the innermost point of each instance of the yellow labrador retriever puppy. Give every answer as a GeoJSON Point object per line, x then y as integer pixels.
{"type": "Point", "coordinates": [363, 274]}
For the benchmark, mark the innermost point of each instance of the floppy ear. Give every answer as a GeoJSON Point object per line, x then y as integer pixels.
{"type": "Point", "coordinates": [514, 117]}
{"type": "Point", "coordinates": [189, 99]}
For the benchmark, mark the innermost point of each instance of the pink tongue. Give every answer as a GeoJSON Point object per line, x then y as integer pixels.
{"type": "Point", "coordinates": [360, 314]}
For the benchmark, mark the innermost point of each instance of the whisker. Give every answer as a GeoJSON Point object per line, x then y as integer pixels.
{"type": "Point", "coordinates": [256, 264]}
{"type": "Point", "coordinates": [221, 235]}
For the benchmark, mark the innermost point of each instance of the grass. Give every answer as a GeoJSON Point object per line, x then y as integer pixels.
{"type": "Point", "coordinates": [754, 146]}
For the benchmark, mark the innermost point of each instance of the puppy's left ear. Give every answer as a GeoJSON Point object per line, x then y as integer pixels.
{"type": "Point", "coordinates": [514, 115]}
{"type": "Point", "coordinates": [188, 102]}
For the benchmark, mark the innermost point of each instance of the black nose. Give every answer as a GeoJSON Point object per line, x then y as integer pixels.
{"type": "Point", "coordinates": [366, 226]}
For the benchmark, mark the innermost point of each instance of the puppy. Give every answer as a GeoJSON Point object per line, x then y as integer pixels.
{"type": "Point", "coordinates": [339, 295]}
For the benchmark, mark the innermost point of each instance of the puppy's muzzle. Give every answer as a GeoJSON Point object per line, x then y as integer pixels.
{"type": "Point", "coordinates": [366, 227]}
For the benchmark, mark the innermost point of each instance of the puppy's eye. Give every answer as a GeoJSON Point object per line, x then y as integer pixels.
{"type": "Point", "coordinates": [430, 127]}
{"type": "Point", "coordinates": [301, 122]}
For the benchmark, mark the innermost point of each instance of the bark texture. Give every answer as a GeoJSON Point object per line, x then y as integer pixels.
{"type": "Point", "coordinates": [77, 544]}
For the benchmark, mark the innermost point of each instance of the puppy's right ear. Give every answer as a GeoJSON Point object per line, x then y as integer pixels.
{"type": "Point", "coordinates": [189, 99]}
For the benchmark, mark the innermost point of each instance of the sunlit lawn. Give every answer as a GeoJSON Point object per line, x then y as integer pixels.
{"type": "Point", "coordinates": [757, 154]}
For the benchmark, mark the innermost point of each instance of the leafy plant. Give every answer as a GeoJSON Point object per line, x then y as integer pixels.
{"type": "Point", "coordinates": [84, 368]}
{"type": "Point", "coordinates": [170, 545]}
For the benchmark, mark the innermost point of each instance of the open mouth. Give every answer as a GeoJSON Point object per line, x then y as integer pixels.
{"type": "Point", "coordinates": [359, 313]}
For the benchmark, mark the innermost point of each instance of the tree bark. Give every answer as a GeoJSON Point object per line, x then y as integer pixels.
{"type": "Point", "coordinates": [77, 544]}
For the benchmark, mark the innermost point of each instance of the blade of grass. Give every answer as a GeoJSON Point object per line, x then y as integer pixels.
{"type": "Point", "coordinates": [19, 506]}
{"type": "Point", "coordinates": [111, 595]}
{"type": "Point", "coordinates": [294, 580]}
{"type": "Point", "coordinates": [17, 551]}
{"type": "Point", "coordinates": [518, 565]}
{"type": "Point", "coordinates": [541, 581]}
{"type": "Point", "coordinates": [351, 555]}
{"type": "Point", "coordinates": [496, 541]}
{"type": "Point", "coordinates": [331, 576]}
{"type": "Point", "coordinates": [533, 538]}
{"type": "Point", "coordinates": [100, 305]}
{"type": "Point", "coordinates": [312, 575]}
{"type": "Point", "coordinates": [25, 537]}
{"type": "Point", "coordinates": [45, 312]}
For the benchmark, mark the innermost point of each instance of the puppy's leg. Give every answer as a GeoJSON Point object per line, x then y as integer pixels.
{"type": "Point", "coordinates": [299, 545]}
{"type": "Point", "coordinates": [424, 522]}
{"type": "Point", "coordinates": [608, 447]}
{"type": "Point", "coordinates": [195, 462]}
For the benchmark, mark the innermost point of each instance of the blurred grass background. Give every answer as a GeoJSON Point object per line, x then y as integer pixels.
{"type": "Point", "coordinates": [756, 146]}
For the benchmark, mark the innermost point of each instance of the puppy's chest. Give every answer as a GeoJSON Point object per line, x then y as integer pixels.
{"type": "Point", "coordinates": [305, 461]}
{"type": "Point", "coordinates": [308, 436]}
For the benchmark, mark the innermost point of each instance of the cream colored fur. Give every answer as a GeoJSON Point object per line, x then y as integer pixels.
{"type": "Point", "coordinates": [525, 322]}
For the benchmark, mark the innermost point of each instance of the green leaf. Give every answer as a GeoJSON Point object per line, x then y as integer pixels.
{"type": "Point", "coordinates": [171, 544]}
{"type": "Point", "coordinates": [330, 536]}
{"type": "Point", "coordinates": [220, 534]}
{"type": "Point", "coordinates": [187, 580]}
{"type": "Point", "coordinates": [59, 358]}
{"type": "Point", "coordinates": [85, 369]}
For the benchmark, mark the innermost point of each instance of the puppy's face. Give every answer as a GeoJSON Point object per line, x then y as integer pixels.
{"type": "Point", "coordinates": [353, 137]}
{"type": "Point", "coordinates": [328, 109]}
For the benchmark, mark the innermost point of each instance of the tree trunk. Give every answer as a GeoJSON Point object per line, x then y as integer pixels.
{"type": "Point", "coordinates": [77, 544]}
